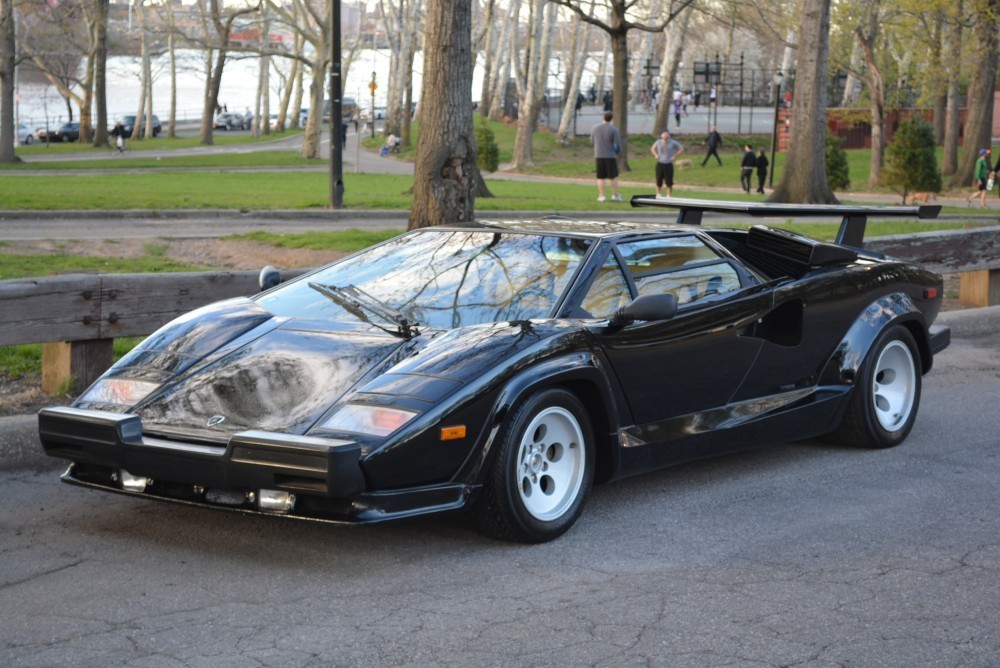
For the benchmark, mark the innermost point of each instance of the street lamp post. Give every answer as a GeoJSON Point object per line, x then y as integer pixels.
{"type": "Point", "coordinates": [336, 112]}
{"type": "Point", "coordinates": [778, 78]}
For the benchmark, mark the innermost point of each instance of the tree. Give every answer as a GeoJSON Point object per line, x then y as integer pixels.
{"type": "Point", "coordinates": [621, 21]}
{"type": "Point", "coordinates": [867, 32]}
{"type": "Point", "coordinates": [218, 26]}
{"type": "Point", "coordinates": [7, 55]}
{"type": "Point", "coordinates": [911, 165]}
{"type": "Point", "coordinates": [982, 84]}
{"type": "Point", "coordinates": [445, 172]}
{"type": "Point", "coordinates": [804, 178]}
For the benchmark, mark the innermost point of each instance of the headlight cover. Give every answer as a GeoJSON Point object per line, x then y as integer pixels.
{"type": "Point", "coordinates": [371, 420]}
{"type": "Point", "coordinates": [122, 391]}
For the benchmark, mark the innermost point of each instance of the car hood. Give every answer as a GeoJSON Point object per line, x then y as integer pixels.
{"type": "Point", "coordinates": [249, 370]}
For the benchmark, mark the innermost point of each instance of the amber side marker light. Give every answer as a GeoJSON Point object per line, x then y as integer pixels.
{"type": "Point", "coordinates": [453, 433]}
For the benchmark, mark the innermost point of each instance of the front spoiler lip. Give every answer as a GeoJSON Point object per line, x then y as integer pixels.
{"type": "Point", "coordinates": [362, 509]}
{"type": "Point", "coordinates": [250, 460]}
{"type": "Point", "coordinates": [324, 474]}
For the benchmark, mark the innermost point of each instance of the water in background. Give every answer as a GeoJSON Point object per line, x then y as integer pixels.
{"type": "Point", "coordinates": [39, 104]}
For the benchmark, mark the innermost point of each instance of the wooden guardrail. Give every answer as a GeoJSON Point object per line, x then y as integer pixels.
{"type": "Point", "coordinates": [77, 317]}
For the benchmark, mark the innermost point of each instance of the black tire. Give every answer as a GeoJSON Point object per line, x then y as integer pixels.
{"type": "Point", "coordinates": [28, 140]}
{"type": "Point", "coordinates": [65, 139]}
{"type": "Point", "coordinates": [542, 472]}
{"type": "Point", "coordinates": [886, 396]}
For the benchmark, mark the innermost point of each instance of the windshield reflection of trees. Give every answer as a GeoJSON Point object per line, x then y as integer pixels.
{"type": "Point", "coordinates": [449, 279]}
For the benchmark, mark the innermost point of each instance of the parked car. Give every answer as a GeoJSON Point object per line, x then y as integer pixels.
{"type": "Point", "coordinates": [25, 135]}
{"type": "Point", "coordinates": [505, 367]}
{"type": "Point", "coordinates": [230, 120]}
{"type": "Point", "coordinates": [128, 123]}
{"type": "Point", "coordinates": [67, 132]}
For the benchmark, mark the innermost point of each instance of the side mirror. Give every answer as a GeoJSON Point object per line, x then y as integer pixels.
{"type": "Point", "coordinates": [646, 307]}
{"type": "Point", "coordinates": [269, 277]}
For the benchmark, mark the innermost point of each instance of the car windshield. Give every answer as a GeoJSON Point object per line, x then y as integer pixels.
{"type": "Point", "coordinates": [445, 279]}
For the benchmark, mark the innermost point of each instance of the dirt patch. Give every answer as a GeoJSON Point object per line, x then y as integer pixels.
{"type": "Point", "coordinates": [206, 253]}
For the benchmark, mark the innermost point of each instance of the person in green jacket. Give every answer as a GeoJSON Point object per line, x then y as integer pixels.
{"type": "Point", "coordinates": [982, 173]}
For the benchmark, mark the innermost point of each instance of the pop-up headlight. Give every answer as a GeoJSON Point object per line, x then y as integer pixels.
{"type": "Point", "coordinates": [371, 420]}
{"type": "Point", "coordinates": [122, 391]}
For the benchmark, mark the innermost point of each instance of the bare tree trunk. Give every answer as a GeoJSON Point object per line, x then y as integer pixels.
{"type": "Point", "coordinates": [982, 85]}
{"type": "Point", "coordinates": [852, 87]}
{"type": "Point", "coordinates": [619, 51]}
{"type": "Point", "coordinates": [7, 51]}
{"type": "Point", "coordinates": [508, 42]}
{"type": "Point", "coordinates": [673, 45]}
{"type": "Point", "coordinates": [172, 123]}
{"type": "Point", "coordinates": [807, 183]}
{"type": "Point", "coordinates": [148, 78]}
{"type": "Point", "coordinates": [144, 86]}
{"type": "Point", "coordinates": [311, 140]}
{"type": "Point", "coordinates": [876, 90]}
{"type": "Point", "coordinates": [528, 87]}
{"type": "Point", "coordinates": [574, 74]}
{"type": "Point", "coordinates": [445, 171]}
{"type": "Point", "coordinates": [299, 73]}
{"type": "Point", "coordinates": [488, 49]}
{"type": "Point", "coordinates": [952, 124]}
{"type": "Point", "coordinates": [100, 73]}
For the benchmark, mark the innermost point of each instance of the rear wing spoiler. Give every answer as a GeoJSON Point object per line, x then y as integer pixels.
{"type": "Point", "coordinates": [854, 219]}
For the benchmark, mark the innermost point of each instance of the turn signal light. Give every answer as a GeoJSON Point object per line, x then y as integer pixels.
{"type": "Point", "coordinates": [931, 293]}
{"type": "Point", "coordinates": [453, 433]}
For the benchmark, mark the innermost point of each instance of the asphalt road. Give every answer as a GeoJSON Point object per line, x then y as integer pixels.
{"type": "Point", "coordinates": [801, 554]}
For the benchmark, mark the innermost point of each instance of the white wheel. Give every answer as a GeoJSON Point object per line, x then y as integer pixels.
{"type": "Point", "coordinates": [884, 404]}
{"type": "Point", "coordinates": [894, 386]}
{"type": "Point", "coordinates": [542, 470]}
{"type": "Point", "coordinates": [551, 463]}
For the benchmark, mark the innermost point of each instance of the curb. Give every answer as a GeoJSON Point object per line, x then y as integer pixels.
{"type": "Point", "coordinates": [19, 446]}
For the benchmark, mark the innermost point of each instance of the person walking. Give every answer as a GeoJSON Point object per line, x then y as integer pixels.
{"type": "Point", "coordinates": [714, 141]}
{"type": "Point", "coordinates": [118, 132]}
{"type": "Point", "coordinates": [746, 167]}
{"type": "Point", "coordinates": [607, 143]}
{"type": "Point", "coordinates": [981, 173]}
{"type": "Point", "coordinates": [762, 164]}
{"type": "Point", "coordinates": [665, 150]}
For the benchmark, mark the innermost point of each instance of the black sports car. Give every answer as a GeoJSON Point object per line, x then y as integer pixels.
{"type": "Point", "coordinates": [506, 367]}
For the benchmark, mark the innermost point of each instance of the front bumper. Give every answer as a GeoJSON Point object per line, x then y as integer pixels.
{"type": "Point", "coordinates": [323, 477]}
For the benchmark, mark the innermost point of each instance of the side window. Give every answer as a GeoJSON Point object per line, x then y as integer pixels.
{"type": "Point", "coordinates": [609, 291]}
{"type": "Point", "coordinates": [680, 265]}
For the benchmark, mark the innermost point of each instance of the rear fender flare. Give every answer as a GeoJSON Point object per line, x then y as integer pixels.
{"type": "Point", "coordinates": [891, 309]}
{"type": "Point", "coordinates": [584, 374]}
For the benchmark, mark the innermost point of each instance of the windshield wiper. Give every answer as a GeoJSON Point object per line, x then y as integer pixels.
{"type": "Point", "coordinates": [357, 302]}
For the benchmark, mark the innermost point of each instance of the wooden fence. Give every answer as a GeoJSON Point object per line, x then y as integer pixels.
{"type": "Point", "coordinates": [77, 317]}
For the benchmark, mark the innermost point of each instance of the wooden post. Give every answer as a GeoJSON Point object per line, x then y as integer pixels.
{"type": "Point", "coordinates": [980, 287]}
{"type": "Point", "coordinates": [72, 366]}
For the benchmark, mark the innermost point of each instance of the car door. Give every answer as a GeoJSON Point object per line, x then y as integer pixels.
{"type": "Point", "coordinates": [694, 361]}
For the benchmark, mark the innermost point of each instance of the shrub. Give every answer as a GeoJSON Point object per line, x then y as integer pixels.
{"type": "Point", "coordinates": [910, 161]}
{"type": "Point", "coordinates": [837, 174]}
{"type": "Point", "coordinates": [488, 154]}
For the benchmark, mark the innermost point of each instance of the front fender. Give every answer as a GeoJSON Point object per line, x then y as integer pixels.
{"type": "Point", "coordinates": [891, 309]}
{"type": "Point", "coordinates": [585, 374]}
